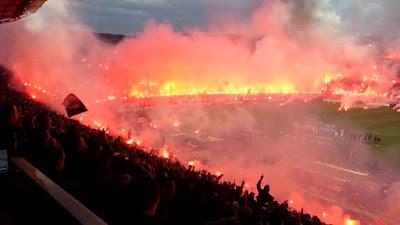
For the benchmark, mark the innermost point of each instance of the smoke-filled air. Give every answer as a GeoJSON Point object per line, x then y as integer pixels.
{"type": "Point", "coordinates": [241, 98]}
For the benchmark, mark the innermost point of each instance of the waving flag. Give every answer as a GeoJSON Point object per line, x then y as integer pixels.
{"type": "Point", "coordinates": [73, 105]}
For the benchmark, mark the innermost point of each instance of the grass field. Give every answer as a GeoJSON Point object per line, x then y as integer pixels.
{"type": "Point", "coordinates": [383, 121]}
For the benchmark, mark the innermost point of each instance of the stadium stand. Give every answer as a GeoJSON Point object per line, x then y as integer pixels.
{"type": "Point", "coordinates": [123, 184]}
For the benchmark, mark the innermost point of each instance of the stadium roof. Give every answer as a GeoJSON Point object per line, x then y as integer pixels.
{"type": "Point", "coordinates": [11, 10]}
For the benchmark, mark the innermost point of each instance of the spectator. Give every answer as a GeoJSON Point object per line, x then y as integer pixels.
{"type": "Point", "coordinates": [46, 151]}
{"type": "Point", "coordinates": [263, 193]}
{"type": "Point", "coordinates": [10, 130]}
{"type": "Point", "coordinates": [140, 199]}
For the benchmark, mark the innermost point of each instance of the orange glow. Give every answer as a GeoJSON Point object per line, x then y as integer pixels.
{"type": "Point", "coordinates": [138, 142]}
{"type": "Point", "coordinates": [175, 88]}
{"type": "Point", "coordinates": [191, 163]}
{"type": "Point", "coordinates": [176, 124]}
{"type": "Point", "coordinates": [327, 79]}
{"type": "Point", "coordinates": [164, 153]}
{"type": "Point", "coordinates": [153, 88]}
{"type": "Point", "coordinates": [111, 98]}
{"type": "Point", "coordinates": [351, 222]}
{"type": "Point", "coordinates": [130, 141]}
{"type": "Point", "coordinates": [97, 124]}
{"type": "Point", "coordinates": [33, 96]}
{"type": "Point", "coordinates": [218, 173]}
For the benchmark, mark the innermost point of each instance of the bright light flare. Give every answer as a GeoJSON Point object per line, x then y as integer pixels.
{"type": "Point", "coordinates": [111, 98]}
{"type": "Point", "coordinates": [327, 79]}
{"type": "Point", "coordinates": [218, 173]}
{"type": "Point", "coordinates": [191, 163]}
{"type": "Point", "coordinates": [164, 153]}
{"type": "Point", "coordinates": [130, 141]}
{"type": "Point", "coordinates": [351, 222]}
{"type": "Point", "coordinates": [176, 124]}
{"type": "Point", "coordinates": [99, 125]}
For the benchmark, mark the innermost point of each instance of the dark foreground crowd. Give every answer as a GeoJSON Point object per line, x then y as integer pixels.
{"type": "Point", "coordinates": [122, 184]}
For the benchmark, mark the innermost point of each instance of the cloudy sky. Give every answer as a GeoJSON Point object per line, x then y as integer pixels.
{"type": "Point", "coordinates": [129, 16]}
{"type": "Point", "coordinates": [375, 17]}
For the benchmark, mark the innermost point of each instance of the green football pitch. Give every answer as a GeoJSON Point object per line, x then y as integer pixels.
{"type": "Point", "coordinates": [382, 121]}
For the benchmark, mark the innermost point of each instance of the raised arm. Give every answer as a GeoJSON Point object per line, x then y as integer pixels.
{"type": "Point", "coordinates": [259, 184]}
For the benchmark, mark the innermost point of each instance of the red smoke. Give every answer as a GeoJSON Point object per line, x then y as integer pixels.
{"type": "Point", "coordinates": [272, 53]}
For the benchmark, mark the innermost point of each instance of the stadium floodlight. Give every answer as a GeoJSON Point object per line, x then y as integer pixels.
{"type": "Point", "coordinates": [11, 10]}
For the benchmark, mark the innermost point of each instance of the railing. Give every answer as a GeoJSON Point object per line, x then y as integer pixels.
{"type": "Point", "coordinates": [71, 204]}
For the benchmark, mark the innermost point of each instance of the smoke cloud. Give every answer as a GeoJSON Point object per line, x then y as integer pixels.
{"type": "Point", "coordinates": [286, 47]}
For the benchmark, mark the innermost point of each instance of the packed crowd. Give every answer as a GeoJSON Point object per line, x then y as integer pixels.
{"type": "Point", "coordinates": [125, 185]}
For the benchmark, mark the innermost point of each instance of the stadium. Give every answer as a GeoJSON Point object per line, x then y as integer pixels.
{"type": "Point", "coordinates": [277, 113]}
